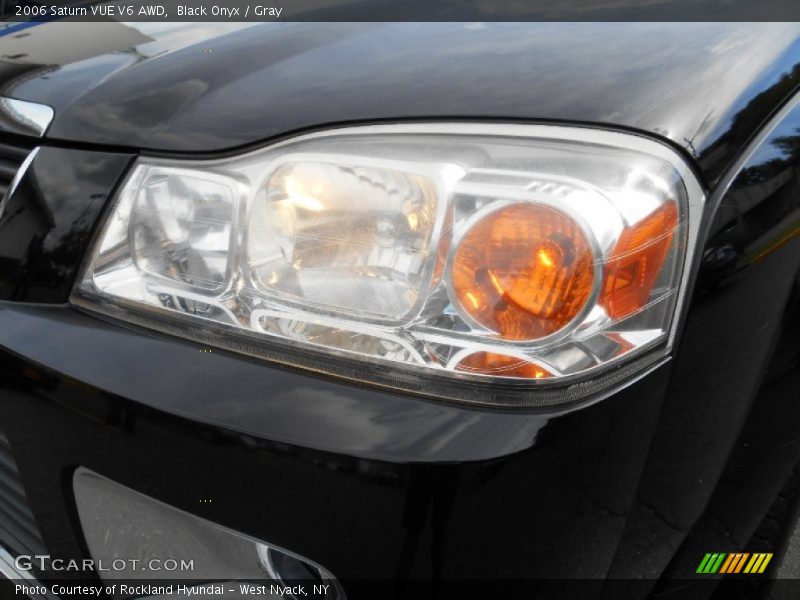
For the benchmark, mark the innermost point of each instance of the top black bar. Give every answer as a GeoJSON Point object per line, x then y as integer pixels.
{"type": "Point", "coordinates": [20, 11]}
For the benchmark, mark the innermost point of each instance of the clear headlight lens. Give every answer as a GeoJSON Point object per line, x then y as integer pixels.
{"type": "Point", "coordinates": [345, 237]}
{"type": "Point", "coordinates": [481, 252]}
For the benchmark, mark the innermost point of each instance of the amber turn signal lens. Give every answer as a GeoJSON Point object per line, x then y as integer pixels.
{"type": "Point", "coordinates": [501, 365]}
{"type": "Point", "coordinates": [636, 260]}
{"type": "Point", "coordinates": [524, 271]}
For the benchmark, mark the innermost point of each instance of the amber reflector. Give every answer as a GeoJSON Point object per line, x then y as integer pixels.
{"type": "Point", "coordinates": [524, 271]}
{"type": "Point", "coordinates": [634, 264]}
{"type": "Point", "coordinates": [501, 365]}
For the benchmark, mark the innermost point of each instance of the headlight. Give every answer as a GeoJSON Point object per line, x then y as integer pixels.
{"type": "Point", "coordinates": [419, 255]}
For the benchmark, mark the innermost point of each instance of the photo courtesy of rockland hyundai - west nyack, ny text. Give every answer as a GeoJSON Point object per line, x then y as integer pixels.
{"type": "Point", "coordinates": [400, 300]}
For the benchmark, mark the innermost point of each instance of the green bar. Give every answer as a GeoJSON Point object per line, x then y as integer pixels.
{"type": "Point", "coordinates": [703, 563]}
{"type": "Point", "coordinates": [718, 564]}
{"type": "Point", "coordinates": [710, 563]}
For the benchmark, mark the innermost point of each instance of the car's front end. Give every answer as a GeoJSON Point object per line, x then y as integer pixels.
{"type": "Point", "coordinates": [400, 308]}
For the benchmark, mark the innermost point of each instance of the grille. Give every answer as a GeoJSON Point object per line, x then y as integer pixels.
{"type": "Point", "coordinates": [18, 529]}
{"type": "Point", "coordinates": [12, 155]}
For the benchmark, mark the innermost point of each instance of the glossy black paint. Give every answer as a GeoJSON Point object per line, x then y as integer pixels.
{"type": "Point", "coordinates": [732, 397]}
{"type": "Point", "coordinates": [372, 484]}
{"type": "Point", "coordinates": [166, 89]}
{"type": "Point", "coordinates": [369, 484]}
{"type": "Point", "coordinates": [758, 439]}
{"type": "Point", "coordinates": [250, 396]}
{"type": "Point", "coordinates": [358, 517]}
{"type": "Point", "coordinates": [46, 224]}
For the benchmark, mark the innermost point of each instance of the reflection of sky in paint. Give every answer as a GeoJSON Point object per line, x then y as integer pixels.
{"type": "Point", "coordinates": [769, 151]}
{"type": "Point", "coordinates": [169, 37]}
{"type": "Point", "coordinates": [9, 28]}
{"type": "Point", "coordinates": [772, 75]}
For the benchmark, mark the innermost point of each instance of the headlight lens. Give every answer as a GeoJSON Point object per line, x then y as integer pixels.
{"type": "Point", "coordinates": [495, 253]}
{"type": "Point", "coordinates": [344, 237]}
{"type": "Point", "coordinates": [524, 271]}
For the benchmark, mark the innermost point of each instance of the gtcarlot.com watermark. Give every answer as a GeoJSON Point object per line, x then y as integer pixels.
{"type": "Point", "coordinates": [43, 562]}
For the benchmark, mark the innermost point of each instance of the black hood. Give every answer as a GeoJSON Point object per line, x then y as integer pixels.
{"type": "Point", "coordinates": [175, 87]}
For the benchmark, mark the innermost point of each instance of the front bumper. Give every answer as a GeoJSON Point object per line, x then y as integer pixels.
{"type": "Point", "coordinates": [367, 484]}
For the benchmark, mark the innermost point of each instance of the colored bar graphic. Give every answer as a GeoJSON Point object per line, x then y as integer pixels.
{"type": "Point", "coordinates": [765, 563]}
{"type": "Point", "coordinates": [711, 562]}
{"type": "Point", "coordinates": [736, 558]}
{"type": "Point", "coordinates": [727, 564]}
{"type": "Point", "coordinates": [753, 563]}
{"type": "Point", "coordinates": [740, 564]}
{"type": "Point", "coordinates": [704, 564]}
{"type": "Point", "coordinates": [718, 562]}
{"type": "Point", "coordinates": [735, 562]}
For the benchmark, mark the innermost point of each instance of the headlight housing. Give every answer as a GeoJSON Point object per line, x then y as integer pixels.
{"type": "Point", "coordinates": [515, 258]}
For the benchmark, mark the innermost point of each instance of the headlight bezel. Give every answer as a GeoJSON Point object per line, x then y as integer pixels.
{"type": "Point", "coordinates": [452, 385]}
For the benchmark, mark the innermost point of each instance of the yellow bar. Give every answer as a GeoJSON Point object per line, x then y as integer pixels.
{"type": "Point", "coordinates": [757, 563]}
{"type": "Point", "coordinates": [728, 561]}
{"type": "Point", "coordinates": [749, 566]}
{"type": "Point", "coordinates": [765, 563]}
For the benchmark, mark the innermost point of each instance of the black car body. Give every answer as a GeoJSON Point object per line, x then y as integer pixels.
{"type": "Point", "coordinates": [696, 455]}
